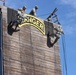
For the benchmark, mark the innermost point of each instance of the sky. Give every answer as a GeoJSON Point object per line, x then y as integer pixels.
{"type": "Point", "coordinates": [66, 15]}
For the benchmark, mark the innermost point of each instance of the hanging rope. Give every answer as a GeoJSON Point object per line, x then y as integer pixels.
{"type": "Point", "coordinates": [64, 51]}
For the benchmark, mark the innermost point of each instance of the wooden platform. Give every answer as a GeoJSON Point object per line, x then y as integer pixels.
{"type": "Point", "coordinates": [26, 52]}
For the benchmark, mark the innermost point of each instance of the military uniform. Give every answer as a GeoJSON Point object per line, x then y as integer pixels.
{"type": "Point", "coordinates": [33, 11]}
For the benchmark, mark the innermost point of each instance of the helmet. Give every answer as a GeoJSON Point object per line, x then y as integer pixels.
{"type": "Point", "coordinates": [24, 7]}
{"type": "Point", "coordinates": [36, 7]}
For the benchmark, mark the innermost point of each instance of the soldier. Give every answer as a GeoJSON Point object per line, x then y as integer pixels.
{"type": "Point", "coordinates": [33, 11]}
{"type": "Point", "coordinates": [56, 35]}
{"type": "Point", "coordinates": [20, 18]}
{"type": "Point", "coordinates": [21, 14]}
{"type": "Point", "coordinates": [22, 11]}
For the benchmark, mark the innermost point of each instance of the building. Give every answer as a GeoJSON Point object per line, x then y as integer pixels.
{"type": "Point", "coordinates": [26, 52]}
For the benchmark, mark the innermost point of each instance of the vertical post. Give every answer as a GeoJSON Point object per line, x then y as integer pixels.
{"type": "Point", "coordinates": [1, 53]}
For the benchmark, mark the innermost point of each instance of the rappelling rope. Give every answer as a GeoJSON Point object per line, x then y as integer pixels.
{"type": "Point", "coordinates": [64, 52]}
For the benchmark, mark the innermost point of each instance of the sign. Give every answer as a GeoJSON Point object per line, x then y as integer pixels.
{"type": "Point", "coordinates": [34, 21]}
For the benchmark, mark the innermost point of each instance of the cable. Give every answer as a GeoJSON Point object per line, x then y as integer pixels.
{"type": "Point", "coordinates": [64, 51]}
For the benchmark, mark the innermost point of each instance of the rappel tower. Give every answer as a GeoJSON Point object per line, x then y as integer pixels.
{"type": "Point", "coordinates": [29, 45]}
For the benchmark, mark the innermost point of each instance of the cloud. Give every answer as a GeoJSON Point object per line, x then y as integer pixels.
{"type": "Point", "coordinates": [69, 2]}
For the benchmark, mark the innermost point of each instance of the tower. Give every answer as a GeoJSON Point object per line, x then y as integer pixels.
{"type": "Point", "coordinates": [26, 52]}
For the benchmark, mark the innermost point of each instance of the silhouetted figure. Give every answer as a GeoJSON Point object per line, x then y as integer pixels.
{"type": "Point", "coordinates": [10, 28]}
{"type": "Point", "coordinates": [33, 11]}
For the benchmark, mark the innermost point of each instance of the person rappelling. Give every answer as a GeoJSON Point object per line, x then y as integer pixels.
{"type": "Point", "coordinates": [57, 32]}
{"type": "Point", "coordinates": [20, 18]}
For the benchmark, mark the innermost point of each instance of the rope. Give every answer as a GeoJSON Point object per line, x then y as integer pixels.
{"type": "Point", "coordinates": [64, 51]}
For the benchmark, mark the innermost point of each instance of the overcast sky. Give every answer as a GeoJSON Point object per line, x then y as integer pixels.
{"type": "Point", "coordinates": [67, 17]}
